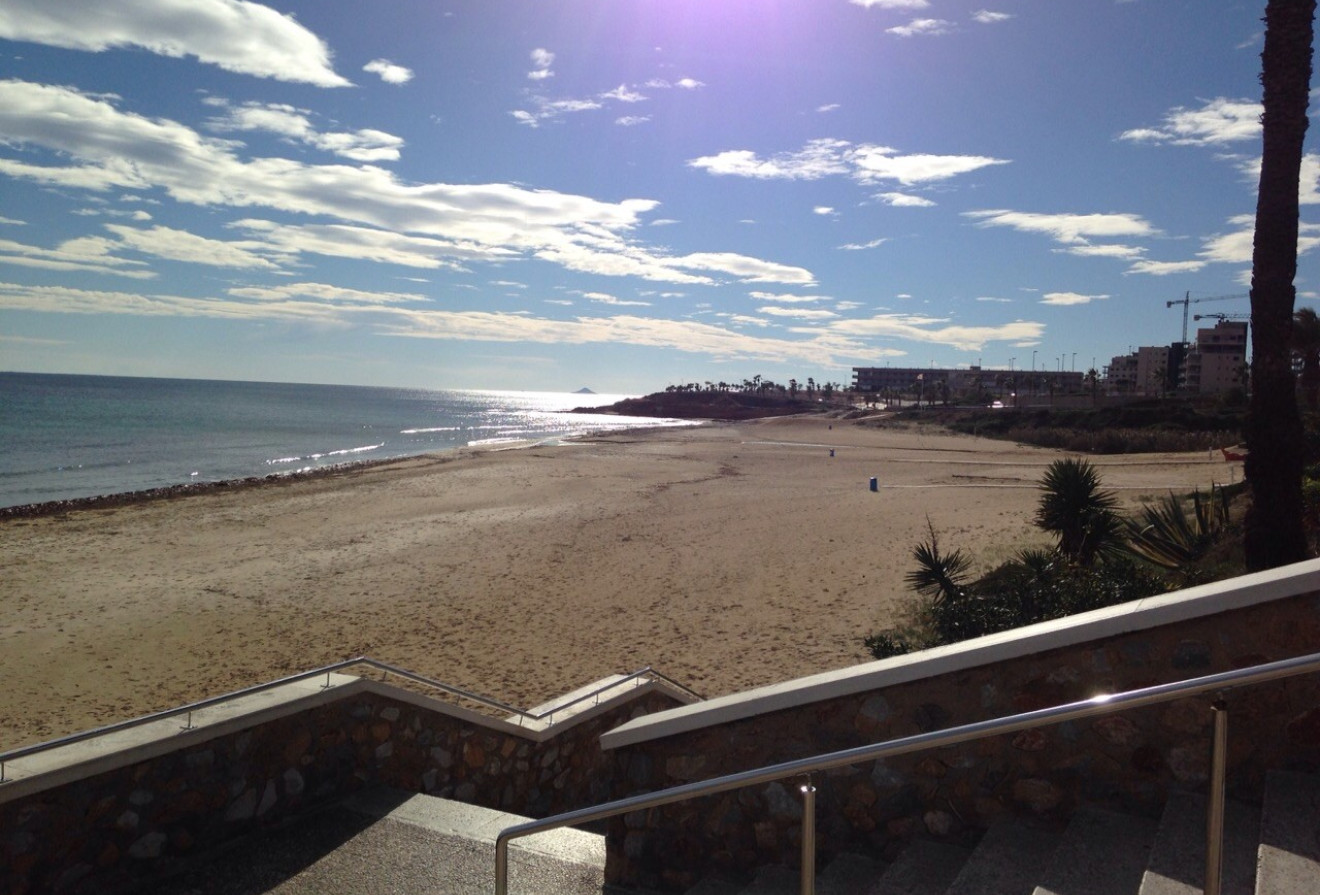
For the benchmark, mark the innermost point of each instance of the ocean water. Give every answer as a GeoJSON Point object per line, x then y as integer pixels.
{"type": "Point", "coordinates": [65, 437]}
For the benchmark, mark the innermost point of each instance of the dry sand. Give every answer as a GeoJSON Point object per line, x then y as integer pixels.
{"type": "Point", "coordinates": [726, 556]}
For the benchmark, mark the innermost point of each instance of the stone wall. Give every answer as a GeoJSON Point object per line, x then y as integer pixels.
{"type": "Point", "coordinates": [140, 821]}
{"type": "Point", "coordinates": [1127, 762]}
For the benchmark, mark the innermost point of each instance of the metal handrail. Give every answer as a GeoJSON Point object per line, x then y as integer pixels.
{"type": "Point", "coordinates": [1097, 705]}
{"type": "Point", "coordinates": [326, 670]}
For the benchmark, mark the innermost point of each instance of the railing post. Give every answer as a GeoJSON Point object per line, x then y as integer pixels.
{"type": "Point", "coordinates": [501, 866]}
{"type": "Point", "coordinates": [1214, 815]}
{"type": "Point", "coordinates": [808, 838]}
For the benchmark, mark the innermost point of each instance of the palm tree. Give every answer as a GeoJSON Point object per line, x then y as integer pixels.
{"type": "Point", "coordinates": [1306, 343]}
{"type": "Point", "coordinates": [1075, 509]}
{"type": "Point", "coordinates": [1273, 534]}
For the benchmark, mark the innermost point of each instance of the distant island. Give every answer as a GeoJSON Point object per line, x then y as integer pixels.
{"type": "Point", "coordinates": [709, 405]}
{"type": "Point", "coordinates": [584, 391]}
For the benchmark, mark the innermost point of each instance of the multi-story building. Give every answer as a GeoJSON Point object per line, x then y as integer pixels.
{"type": "Point", "coordinates": [1218, 360]}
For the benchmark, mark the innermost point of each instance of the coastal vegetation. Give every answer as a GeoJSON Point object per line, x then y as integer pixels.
{"type": "Point", "coordinates": [1100, 558]}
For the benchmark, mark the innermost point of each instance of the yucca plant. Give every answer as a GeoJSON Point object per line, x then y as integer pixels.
{"type": "Point", "coordinates": [1081, 514]}
{"type": "Point", "coordinates": [1166, 534]}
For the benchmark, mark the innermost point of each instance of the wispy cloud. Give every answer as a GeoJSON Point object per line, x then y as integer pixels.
{"type": "Point", "coordinates": [866, 163]}
{"type": "Point", "coordinates": [939, 331]}
{"type": "Point", "coordinates": [1217, 122]}
{"type": "Point", "coordinates": [862, 246]}
{"type": "Point", "coordinates": [329, 306]}
{"type": "Point", "coordinates": [542, 59]}
{"type": "Point", "coordinates": [828, 107]}
{"type": "Point", "coordinates": [786, 298]}
{"type": "Point", "coordinates": [1066, 228]}
{"type": "Point", "coordinates": [388, 71]}
{"type": "Point", "coordinates": [295, 125]}
{"type": "Point", "coordinates": [922, 28]}
{"type": "Point", "coordinates": [325, 293]}
{"type": "Point", "coordinates": [797, 313]}
{"type": "Point", "coordinates": [891, 4]}
{"type": "Point", "coordinates": [1066, 299]}
{"type": "Point", "coordinates": [624, 94]}
{"type": "Point", "coordinates": [236, 35]}
{"type": "Point", "coordinates": [904, 200]}
{"type": "Point", "coordinates": [987, 17]}
{"type": "Point", "coordinates": [92, 145]}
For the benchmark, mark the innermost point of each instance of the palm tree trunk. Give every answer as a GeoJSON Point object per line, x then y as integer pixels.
{"type": "Point", "coordinates": [1274, 535]}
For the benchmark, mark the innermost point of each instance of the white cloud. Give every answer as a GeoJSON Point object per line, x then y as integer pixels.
{"type": "Point", "coordinates": [891, 4]}
{"type": "Point", "coordinates": [1070, 298]}
{"type": "Point", "coordinates": [88, 254]}
{"type": "Point", "coordinates": [542, 59]}
{"type": "Point", "coordinates": [605, 298]}
{"type": "Point", "coordinates": [828, 107]}
{"type": "Point", "coordinates": [236, 35]}
{"type": "Point", "coordinates": [904, 200]}
{"type": "Point", "coordinates": [12, 222]}
{"type": "Point", "coordinates": [1308, 188]}
{"type": "Point", "coordinates": [623, 94]}
{"type": "Point", "coordinates": [1103, 251]}
{"type": "Point", "coordinates": [862, 246]}
{"type": "Point", "coordinates": [1217, 122]}
{"type": "Point", "coordinates": [632, 120]}
{"type": "Point", "coordinates": [180, 245]}
{"type": "Point", "coordinates": [1165, 268]}
{"type": "Point", "coordinates": [548, 109]}
{"type": "Point", "coordinates": [818, 159]}
{"type": "Point", "coordinates": [986, 17]}
{"type": "Point", "coordinates": [875, 163]}
{"type": "Point", "coordinates": [1066, 228]}
{"type": "Point", "coordinates": [922, 28]}
{"type": "Point", "coordinates": [782, 298]}
{"type": "Point", "coordinates": [825, 211]}
{"type": "Point", "coordinates": [325, 292]}
{"type": "Point", "coordinates": [747, 269]}
{"type": "Point", "coordinates": [388, 71]}
{"type": "Point", "coordinates": [90, 144]}
{"type": "Point", "coordinates": [797, 313]}
{"type": "Point", "coordinates": [866, 163]}
{"type": "Point", "coordinates": [937, 331]}
{"type": "Point", "coordinates": [689, 84]}
{"type": "Point", "coordinates": [367, 145]}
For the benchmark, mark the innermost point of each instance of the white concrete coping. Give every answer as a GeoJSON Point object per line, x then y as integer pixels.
{"type": "Point", "coordinates": [114, 749]}
{"type": "Point", "coordinates": [1197, 602]}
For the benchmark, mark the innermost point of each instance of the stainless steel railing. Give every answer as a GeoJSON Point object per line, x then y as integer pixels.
{"type": "Point", "coordinates": [1097, 705]}
{"type": "Point", "coordinates": [523, 716]}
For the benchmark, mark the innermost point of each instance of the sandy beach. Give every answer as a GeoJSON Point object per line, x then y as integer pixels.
{"type": "Point", "coordinates": [726, 556]}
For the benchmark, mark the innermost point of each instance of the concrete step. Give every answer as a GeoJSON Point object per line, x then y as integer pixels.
{"type": "Point", "coordinates": [1177, 859]}
{"type": "Point", "coordinates": [1101, 853]}
{"type": "Point", "coordinates": [1288, 862]}
{"type": "Point", "coordinates": [923, 868]}
{"type": "Point", "coordinates": [1010, 859]}
{"type": "Point", "coordinates": [384, 842]}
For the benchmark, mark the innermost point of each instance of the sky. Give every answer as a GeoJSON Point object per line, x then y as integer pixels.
{"type": "Point", "coordinates": [622, 194]}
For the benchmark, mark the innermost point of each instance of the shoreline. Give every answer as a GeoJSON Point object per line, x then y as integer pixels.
{"type": "Point", "coordinates": [46, 508]}
{"type": "Point", "coordinates": [726, 555]}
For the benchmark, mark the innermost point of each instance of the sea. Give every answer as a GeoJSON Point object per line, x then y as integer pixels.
{"type": "Point", "coordinates": [64, 436]}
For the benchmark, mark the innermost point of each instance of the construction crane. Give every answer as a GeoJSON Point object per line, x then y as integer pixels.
{"type": "Point", "coordinates": [1222, 316]}
{"type": "Point", "coordinates": [1187, 300]}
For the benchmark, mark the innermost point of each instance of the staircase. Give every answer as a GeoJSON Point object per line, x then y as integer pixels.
{"type": "Point", "coordinates": [388, 843]}
{"type": "Point", "coordinates": [1271, 852]}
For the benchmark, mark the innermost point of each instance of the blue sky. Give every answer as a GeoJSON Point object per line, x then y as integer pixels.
{"type": "Point", "coordinates": [620, 194]}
